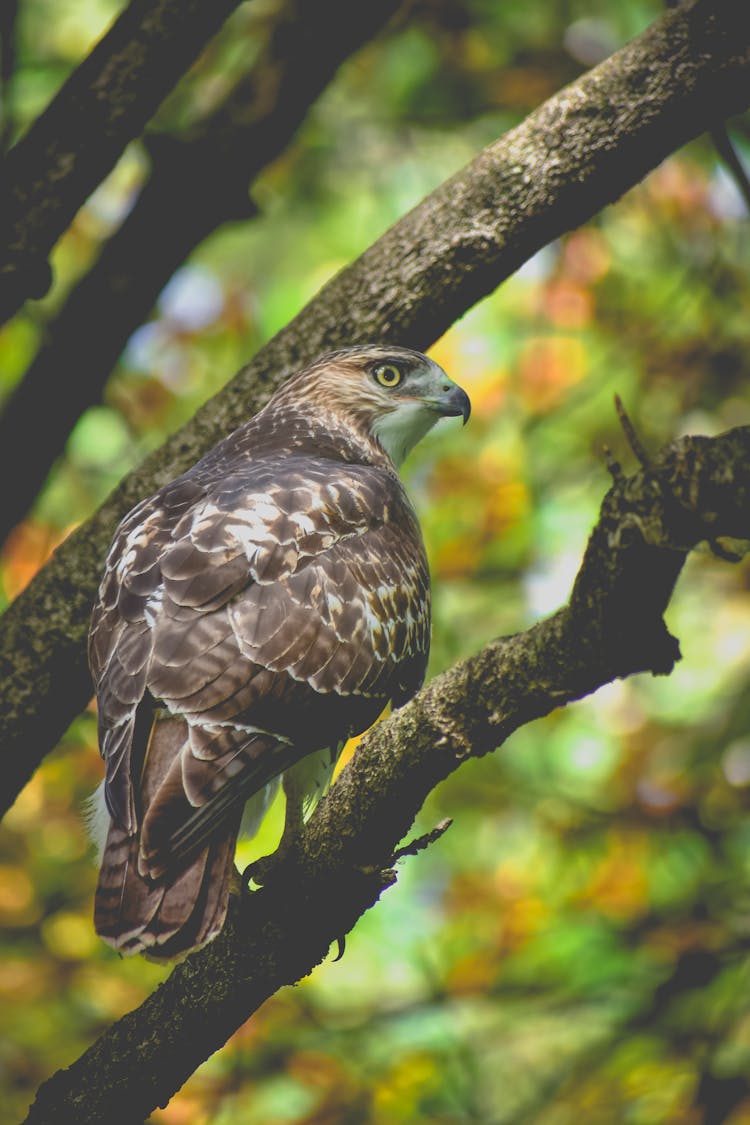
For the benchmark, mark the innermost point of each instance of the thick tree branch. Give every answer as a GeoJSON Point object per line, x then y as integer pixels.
{"type": "Point", "coordinates": [72, 146]}
{"type": "Point", "coordinates": [222, 154]}
{"type": "Point", "coordinates": [579, 151]}
{"type": "Point", "coordinates": [611, 627]}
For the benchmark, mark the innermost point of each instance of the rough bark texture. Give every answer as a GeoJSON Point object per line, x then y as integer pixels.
{"type": "Point", "coordinates": [611, 627]}
{"type": "Point", "coordinates": [579, 151]}
{"type": "Point", "coordinates": [77, 140]}
{"type": "Point", "coordinates": [219, 158]}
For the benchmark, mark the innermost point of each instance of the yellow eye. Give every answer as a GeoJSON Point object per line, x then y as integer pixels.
{"type": "Point", "coordinates": [387, 375]}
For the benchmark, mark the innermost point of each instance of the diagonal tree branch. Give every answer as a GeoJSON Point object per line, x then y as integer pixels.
{"type": "Point", "coordinates": [612, 627]}
{"type": "Point", "coordinates": [579, 151]}
{"type": "Point", "coordinates": [72, 146]}
{"type": "Point", "coordinates": [307, 41]}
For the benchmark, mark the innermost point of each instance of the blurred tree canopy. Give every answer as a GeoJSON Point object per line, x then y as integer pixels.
{"type": "Point", "coordinates": [576, 945]}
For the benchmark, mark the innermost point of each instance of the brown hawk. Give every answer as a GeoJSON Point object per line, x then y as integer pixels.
{"type": "Point", "coordinates": [254, 614]}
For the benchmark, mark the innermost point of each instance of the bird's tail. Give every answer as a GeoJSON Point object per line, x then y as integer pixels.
{"type": "Point", "coordinates": [134, 914]}
{"type": "Point", "coordinates": [181, 909]}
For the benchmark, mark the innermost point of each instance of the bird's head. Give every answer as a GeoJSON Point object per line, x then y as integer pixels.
{"type": "Point", "coordinates": [395, 395]}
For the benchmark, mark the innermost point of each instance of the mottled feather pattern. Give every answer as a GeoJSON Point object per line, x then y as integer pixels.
{"type": "Point", "coordinates": [271, 600]}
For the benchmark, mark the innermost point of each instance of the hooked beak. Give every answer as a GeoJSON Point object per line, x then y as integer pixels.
{"type": "Point", "coordinates": [454, 402]}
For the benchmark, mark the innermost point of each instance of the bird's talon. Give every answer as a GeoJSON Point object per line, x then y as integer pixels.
{"type": "Point", "coordinates": [265, 868]}
{"type": "Point", "coordinates": [257, 872]}
{"type": "Point", "coordinates": [341, 944]}
{"type": "Point", "coordinates": [246, 877]}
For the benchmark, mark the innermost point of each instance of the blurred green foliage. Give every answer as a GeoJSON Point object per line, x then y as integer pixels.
{"type": "Point", "coordinates": [576, 946]}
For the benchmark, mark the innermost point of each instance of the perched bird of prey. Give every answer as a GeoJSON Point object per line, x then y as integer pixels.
{"type": "Point", "coordinates": [254, 614]}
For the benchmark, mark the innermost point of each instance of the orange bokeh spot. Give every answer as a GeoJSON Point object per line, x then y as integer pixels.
{"type": "Point", "coordinates": [565, 304]}
{"type": "Point", "coordinates": [586, 256]}
{"type": "Point", "coordinates": [29, 546]}
{"type": "Point", "coordinates": [549, 367]}
{"type": "Point", "coordinates": [618, 887]}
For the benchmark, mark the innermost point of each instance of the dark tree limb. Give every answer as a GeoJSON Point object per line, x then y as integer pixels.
{"type": "Point", "coordinates": [217, 160]}
{"type": "Point", "coordinates": [612, 627]}
{"type": "Point", "coordinates": [578, 152]}
{"type": "Point", "coordinates": [80, 136]}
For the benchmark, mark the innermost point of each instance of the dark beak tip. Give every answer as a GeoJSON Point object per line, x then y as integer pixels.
{"type": "Point", "coordinates": [463, 404]}
{"type": "Point", "coordinates": [456, 403]}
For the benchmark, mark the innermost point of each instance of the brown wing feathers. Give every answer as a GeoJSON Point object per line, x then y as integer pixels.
{"type": "Point", "coordinates": [253, 611]}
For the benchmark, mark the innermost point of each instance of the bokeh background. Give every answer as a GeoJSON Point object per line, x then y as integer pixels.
{"type": "Point", "coordinates": [576, 946]}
